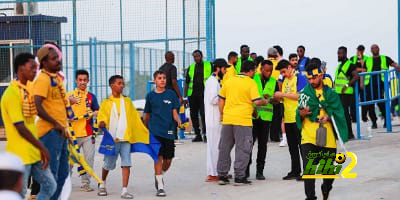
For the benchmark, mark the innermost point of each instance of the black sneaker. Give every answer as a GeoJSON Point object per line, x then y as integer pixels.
{"type": "Point", "coordinates": [205, 139]}
{"type": "Point", "coordinates": [374, 125]}
{"type": "Point", "coordinates": [223, 180]}
{"type": "Point", "coordinates": [260, 176]}
{"type": "Point", "coordinates": [161, 193]}
{"type": "Point", "coordinates": [291, 176]}
{"type": "Point", "coordinates": [197, 139]}
{"type": "Point", "coordinates": [241, 181]}
{"type": "Point", "coordinates": [299, 178]}
{"type": "Point", "coordinates": [325, 191]}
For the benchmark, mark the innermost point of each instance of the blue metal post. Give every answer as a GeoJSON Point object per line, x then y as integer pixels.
{"type": "Point", "coordinates": [198, 24]}
{"type": "Point", "coordinates": [213, 28]}
{"type": "Point", "coordinates": [132, 71]}
{"type": "Point", "coordinates": [357, 110]}
{"type": "Point", "coordinates": [208, 30]}
{"type": "Point", "coordinates": [166, 26]}
{"type": "Point", "coordinates": [184, 33]}
{"type": "Point", "coordinates": [387, 102]}
{"type": "Point", "coordinates": [91, 62]}
{"type": "Point", "coordinates": [105, 65]}
{"type": "Point", "coordinates": [95, 65]}
{"type": "Point", "coordinates": [151, 63]}
{"type": "Point", "coordinates": [66, 58]}
{"type": "Point", "coordinates": [74, 38]}
{"type": "Point", "coordinates": [398, 29]}
{"type": "Point", "coordinates": [121, 38]}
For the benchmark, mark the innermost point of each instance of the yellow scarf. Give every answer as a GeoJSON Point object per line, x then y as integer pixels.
{"type": "Point", "coordinates": [28, 103]}
{"type": "Point", "coordinates": [82, 98]}
{"type": "Point", "coordinates": [56, 81]}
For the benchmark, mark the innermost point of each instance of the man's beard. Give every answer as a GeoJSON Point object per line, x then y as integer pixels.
{"type": "Point", "coordinates": [317, 85]}
{"type": "Point", "coordinates": [220, 75]}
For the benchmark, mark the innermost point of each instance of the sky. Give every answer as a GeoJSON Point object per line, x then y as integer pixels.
{"type": "Point", "coordinates": [319, 25]}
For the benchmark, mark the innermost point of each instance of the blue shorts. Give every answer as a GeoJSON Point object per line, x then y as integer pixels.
{"type": "Point", "coordinates": [124, 150]}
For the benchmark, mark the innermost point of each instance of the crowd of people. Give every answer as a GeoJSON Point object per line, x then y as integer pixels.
{"type": "Point", "coordinates": [241, 100]}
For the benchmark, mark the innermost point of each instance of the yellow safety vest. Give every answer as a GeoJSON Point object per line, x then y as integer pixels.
{"type": "Point", "coordinates": [341, 79]}
{"type": "Point", "coordinates": [207, 73]}
{"type": "Point", "coordinates": [265, 112]}
{"type": "Point", "coordinates": [369, 64]}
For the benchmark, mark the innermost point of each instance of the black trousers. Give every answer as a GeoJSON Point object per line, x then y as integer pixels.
{"type": "Point", "coordinates": [373, 95]}
{"type": "Point", "coordinates": [260, 133]}
{"type": "Point", "coordinates": [196, 104]}
{"type": "Point", "coordinates": [348, 101]}
{"type": "Point", "coordinates": [276, 130]}
{"type": "Point", "coordinates": [309, 184]}
{"type": "Point", "coordinates": [293, 139]}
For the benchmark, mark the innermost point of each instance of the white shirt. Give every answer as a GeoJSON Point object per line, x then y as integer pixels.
{"type": "Point", "coordinates": [10, 195]}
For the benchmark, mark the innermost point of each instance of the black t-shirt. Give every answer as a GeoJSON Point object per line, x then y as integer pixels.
{"type": "Point", "coordinates": [171, 73]}
{"type": "Point", "coordinates": [198, 79]}
{"type": "Point", "coordinates": [358, 62]}
{"type": "Point", "coordinates": [376, 63]}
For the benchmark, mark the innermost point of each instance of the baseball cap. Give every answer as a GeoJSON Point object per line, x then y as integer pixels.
{"type": "Point", "coordinates": [43, 52]}
{"type": "Point", "coordinates": [11, 162]}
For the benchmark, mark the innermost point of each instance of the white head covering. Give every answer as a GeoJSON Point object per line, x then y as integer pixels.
{"type": "Point", "coordinates": [11, 162]}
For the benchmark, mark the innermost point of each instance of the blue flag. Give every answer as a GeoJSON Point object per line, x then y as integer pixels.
{"type": "Point", "coordinates": [107, 146]}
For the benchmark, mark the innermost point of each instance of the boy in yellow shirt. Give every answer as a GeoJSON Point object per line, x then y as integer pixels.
{"type": "Point", "coordinates": [19, 112]}
{"type": "Point", "coordinates": [115, 115]}
{"type": "Point", "coordinates": [291, 87]}
{"type": "Point", "coordinates": [83, 127]}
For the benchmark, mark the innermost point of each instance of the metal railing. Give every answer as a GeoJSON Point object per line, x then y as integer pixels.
{"type": "Point", "coordinates": [390, 92]}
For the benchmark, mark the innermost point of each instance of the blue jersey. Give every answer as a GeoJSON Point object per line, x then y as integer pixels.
{"type": "Point", "coordinates": [160, 106]}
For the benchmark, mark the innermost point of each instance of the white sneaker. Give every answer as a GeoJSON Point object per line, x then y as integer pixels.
{"type": "Point", "coordinates": [283, 142]}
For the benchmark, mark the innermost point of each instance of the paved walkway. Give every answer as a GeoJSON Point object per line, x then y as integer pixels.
{"type": "Point", "coordinates": [377, 178]}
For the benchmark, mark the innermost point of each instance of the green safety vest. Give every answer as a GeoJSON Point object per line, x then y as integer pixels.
{"type": "Point", "coordinates": [341, 79]}
{"type": "Point", "coordinates": [370, 62]}
{"type": "Point", "coordinates": [238, 66]}
{"type": "Point", "coordinates": [265, 112]}
{"type": "Point", "coordinates": [355, 58]}
{"type": "Point", "coordinates": [207, 72]}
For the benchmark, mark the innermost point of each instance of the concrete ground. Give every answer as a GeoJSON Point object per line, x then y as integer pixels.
{"type": "Point", "coordinates": [377, 176]}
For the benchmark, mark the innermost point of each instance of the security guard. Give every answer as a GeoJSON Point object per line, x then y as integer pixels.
{"type": "Point", "coordinates": [196, 77]}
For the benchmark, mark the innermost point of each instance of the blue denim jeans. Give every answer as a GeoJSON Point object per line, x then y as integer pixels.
{"type": "Point", "coordinates": [43, 177]}
{"type": "Point", "coordinates": [59, 164]}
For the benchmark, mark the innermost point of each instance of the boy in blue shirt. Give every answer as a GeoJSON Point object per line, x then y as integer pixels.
{"type": "Point", "coordinates": [160, 110]}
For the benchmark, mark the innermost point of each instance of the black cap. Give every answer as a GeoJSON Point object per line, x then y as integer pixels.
{"type": "Point", "coordinates": [361, 47]}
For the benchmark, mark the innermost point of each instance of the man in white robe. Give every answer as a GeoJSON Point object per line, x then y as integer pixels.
{"type": "Point", "coordinates": [212, 115]}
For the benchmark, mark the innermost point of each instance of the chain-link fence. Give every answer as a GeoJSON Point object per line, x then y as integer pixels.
{"type": "Point", "coordinates": [107, 37]}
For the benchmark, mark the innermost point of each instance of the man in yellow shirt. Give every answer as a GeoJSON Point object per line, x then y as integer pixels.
{"type": "Point", "coordinates": [237, 97]}
{"type": "Point", "coordinates": [19, 112]}
{"type": "Point", "coordinates": [291, 87]}
{"type": "Point", "coordinates": [51, 101]}
{"type": "Point", "coordinates": [230, 69]}
{"type": "Point", "coordinates": [87, 106]}
{"type": "Point", "coordinates": [310, 116]}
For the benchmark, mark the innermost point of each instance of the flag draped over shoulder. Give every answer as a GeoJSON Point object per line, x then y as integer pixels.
{"type": "Point", "coordinates": [136, 133]}
{"type": "Point", "coordinates": [152, 148]}
{"type": "Point", "coordinates": [332, 106]}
